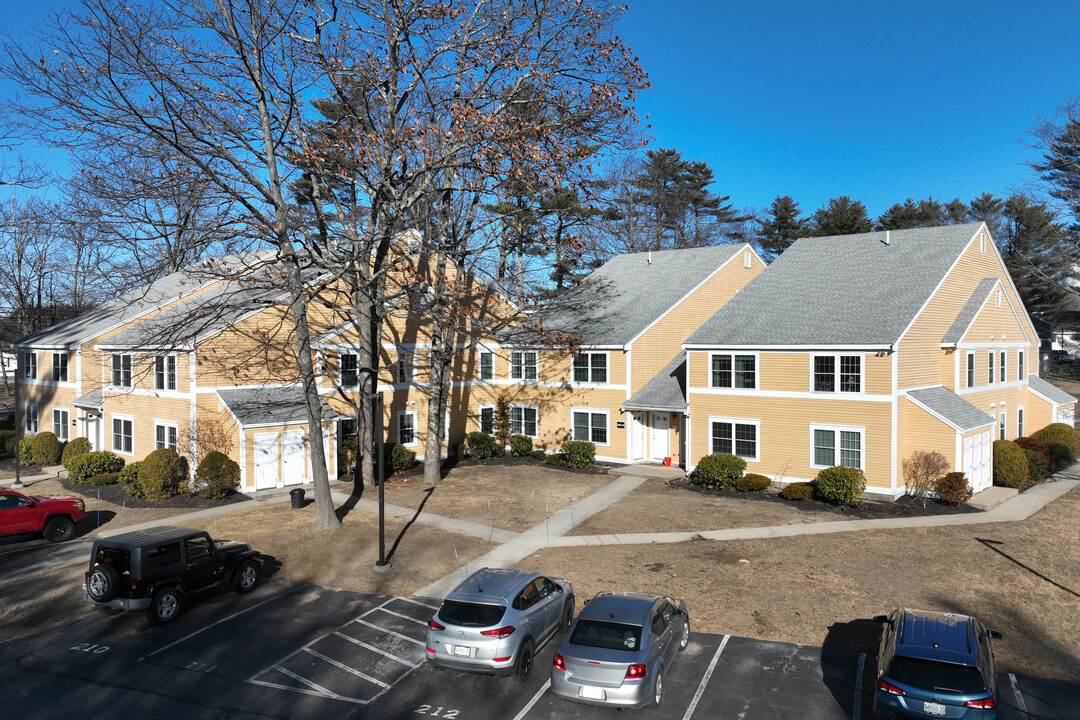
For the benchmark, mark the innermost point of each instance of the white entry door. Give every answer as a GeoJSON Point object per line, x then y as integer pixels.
{"type": "Point", "coordinates": [639, 438]}
{"type": "Point", "coordinates": [266, 461]}
{"type": "Point", "coordinates": [93, 431]}
{"type": "Point", "coordinates": [659, 432]}
{"type": "Point", "coordinates": [292, 457]}
{"type": "Point", "coordinates": [977, 461]}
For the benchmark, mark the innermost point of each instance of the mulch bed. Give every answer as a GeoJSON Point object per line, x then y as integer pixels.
{"type": "Point", "coordinates": [117, 495]}
{"type": "Point", "coordinates": [508, 461]}
{"type": "Point", "coordinates": [869, 509]}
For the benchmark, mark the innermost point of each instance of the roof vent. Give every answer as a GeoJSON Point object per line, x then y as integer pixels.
{"type": "Point", "coordinates": [886, 237]}
{"type": "Point", "coordinates": [650, 257]}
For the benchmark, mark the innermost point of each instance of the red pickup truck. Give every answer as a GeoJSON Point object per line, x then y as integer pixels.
{"type": "Point", "coordinates": [52, 515]}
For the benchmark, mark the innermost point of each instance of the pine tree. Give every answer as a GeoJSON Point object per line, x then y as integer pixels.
{"type": "Point", "coordinates": [841, 216]}
{"type": "Point", "coordinates": [1031, 244]}
{"type": "Point", "coordinates": [780, 226]}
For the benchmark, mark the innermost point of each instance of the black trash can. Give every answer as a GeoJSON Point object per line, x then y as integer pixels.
{"type": "Point", "coordinates": [297, 497]}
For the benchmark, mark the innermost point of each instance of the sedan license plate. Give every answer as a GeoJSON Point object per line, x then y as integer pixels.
{"type": "Point", "coordinates": [462, 650]}
{"type": "Point", "coordinates": [931, 708]}
{"type": "Point", "coordinates": [592, 693]}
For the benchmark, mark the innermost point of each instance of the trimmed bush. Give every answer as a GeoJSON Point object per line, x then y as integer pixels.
{"type": "Point", "coordinates": [953, 488]}
{"type": "Point", "coordinates": [7, 441]}
{"type": "Point", "coordinates": [83, 467]}
{"type": "Point", "coordinates": [719, 470]}
{"type": "Point", "coordinates": [216, 476]}
{"type": "Point", "coordinates": [1033, 443]}
{"type": "Point", "coordinates": [797, 491]}
{"type": "Point", "coordinates": [1061, 456]}
{"type": "Point", "coordinates": [461, 451]}
{"type": "Point", "coordinates": [1010, 465]}
{"type": "Point", "coordinates": [1037, 467]}
{"type": "Point", "coordinates": [45, 449]}
{"type": "Point", "coordinates": [78, 446]}
{"type": "Point", "coordinates": [26, 451]}
{"type": "Point", "coordinates": [402, 458]}
{"type": "Point", "coordinates": [578, 454]}
{"type": "Point", "coordinates": [104, 479]}
{"type": "Point", "coordinates": [520, 445]}
{"type": "Point", "coordinates": [840, 485]}
{"type": "Point", "coordinates": [1061, 433]}
{"type": "Point", "coordinates": [556, 460]}
{"type": "Point", "coordinates": [161, 473]}
{"type": "Point", "coordinates": [481, 446]}
{"type": "Point", "coordinates": [129, 478]}
{"type": "Point", "coordinates": [538, 455]}
{"type": "Point", "coordinates": [752, 483]}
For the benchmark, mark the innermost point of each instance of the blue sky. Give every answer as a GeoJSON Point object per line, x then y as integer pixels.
{"type": "Point", "coordinates": [876, 100]}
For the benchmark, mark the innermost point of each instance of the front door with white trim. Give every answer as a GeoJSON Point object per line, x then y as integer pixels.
{"type": "Point", "coordinates": [659, 435]}
{"type": "Point", "coordinates": [266, 460]}
{"type": "Point", "coordinates": [93, 431]}
{"type": "Point", "coordinates": [292, 457]}
{"type": "Point", "coordinates": [977, 461]}
{"type": "Point", "coordinates": [639, 435]}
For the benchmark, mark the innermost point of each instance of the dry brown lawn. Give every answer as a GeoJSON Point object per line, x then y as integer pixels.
{"type": "Point", "coordinates": [113, 516]}
{"type": "Point", "coordinates": [513, 492]}
{"type": "Point", "coordinates": [795, 589]}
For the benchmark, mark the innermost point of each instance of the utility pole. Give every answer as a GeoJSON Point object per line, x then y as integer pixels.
{"type": "Point", "coordinates": [382, 565]}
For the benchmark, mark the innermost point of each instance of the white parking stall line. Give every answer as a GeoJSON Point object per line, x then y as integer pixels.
{"type": "Point", "coordinates": [319, 689]}
{"type": "Point", "coordinates": [856, 710]}
{"type": "Point", "coordinates": [1019, 697]}
{"type": "Point", "coordinates": [403, 617]}
{"type": "Point", "coordinates": [346, 668]}
{"type": "Point", "coordinates": [525, 710]}
{"type": "Point", "coordinates": [391, 632]}
{"type": "Point", "coordinates": [705, 679]}
{"type": "Point", "coordinates": [380, 651]}
{"type": "Point", "coordinates": [302, 691]}
{"type": "Point", "coordinates": [421, 603]}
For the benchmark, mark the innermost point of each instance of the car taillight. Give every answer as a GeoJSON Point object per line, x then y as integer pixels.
{"type": "Point", "coordinates": [499, 632]}
{"type": "Point", "coordinates": [985, 703]}
{"type": "Point", "coordinates": [636, 670]}
{"type": "Point", "coordinates": [891, 689]}
{"type": "Point", "coordinates": [134, 584]}
{"type": "Point", "coordinates": [435, 625]}
{"type": "Point", "coordinates": [558, 662]}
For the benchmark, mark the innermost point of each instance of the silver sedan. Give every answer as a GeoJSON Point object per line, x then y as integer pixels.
{"type": "Point", "coordinates": [496, 620]}
{"type": "Point", "coordinates": [618, 649]}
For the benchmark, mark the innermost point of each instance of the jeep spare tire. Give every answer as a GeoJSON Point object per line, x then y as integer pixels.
{"type": "Point", "coordinates": [103, 583]}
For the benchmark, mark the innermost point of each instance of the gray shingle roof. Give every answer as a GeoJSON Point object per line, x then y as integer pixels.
{"type": "Point", "coordinates": [1055, 394]}
{"type": "Point", "coordinates": [94, 399]}
{"type": "Point", "coordinates": [628, 293]}
{"type": "Point", "coordinates": [273, 405]}
{"type": "Point", "coordinates": [840, 290]}
{"type": "Point", "coordinates": [969, 311]}
{"type": "Point", "coordinates": [666, 391]}
{"type": "Point", "coordinates": [957, 411]}
{"type": "Point", "coordinates": [74, 331]}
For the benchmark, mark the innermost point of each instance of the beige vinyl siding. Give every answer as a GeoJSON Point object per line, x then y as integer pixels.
{"type": "Point", "coordinates": [919, 430]}
{"type": "Point", "coordinates": [994, 324]}
{"type": "Point", "coordinates": [995, 399]}
{"type": "Point", "coordinates": [144, 409]}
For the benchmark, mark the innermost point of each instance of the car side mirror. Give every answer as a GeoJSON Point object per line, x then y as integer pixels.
{"type": "Point", "coordinates": [585, 603]}
{"type": "Point", "coordinates": [881, 618]}
{"type": "Point", "coordinates": [682, 613]}
{"type": "Point", "coordinates": [559, 588]}
{"type": "Point", "coordinates": [993, 634]}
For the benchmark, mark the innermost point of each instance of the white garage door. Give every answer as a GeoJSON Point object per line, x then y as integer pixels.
{"type": "Point", "coordinates": [266, 461]}
{"type": "Point", "coordinates": [292, 457]}
{"type": "Point", "coordinates": [977, 461]}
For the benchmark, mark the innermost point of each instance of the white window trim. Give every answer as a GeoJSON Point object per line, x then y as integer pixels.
{"type": "Point", "coordinates": [837, 428]}
{"type": "Point", "coordinates": [1020, 421]}
{"type": "Point", "coordinates": [836, 373]}
{"type": "Point", "coordinates": [1003, 371]}
{"type": "Point", "coordinates": [589, 382]}
{"type": "Point", "coordinates": [30, 361]}
{"type": "Point", "coordinates": [991, 371]}
{"type": "Point", "coordinates": [165, 372]}
{"type": "Point", "coordinates": [524, 406]}
{"type": "Point", "coordinates": [37, 418]}
{"type": "Point", "coordinates": [112, 434]}
{"type": "Point", "coordinates": [480, 365]}
{"type": "Point", "coordinates": [479, 415]}
{"type": "Point", "coordinates": [746, 260]}
{"type": "Point", "coordinates": [1003, 425]}
{"type": "Point", "coordinates": [1019, 364]}
{"type": "Point", "coordinates": [524, 365]}
{"type": "Point", "coordinates": [67, 367]}
{"type": "Point", "coordinates": [409, 366]}
{"type": "Point", "coordinates": [166, 424]}
{"type": "Point", "coordinates": [132, 370]}
{"type": "Point", "coordinates": [757, 370]}
{"type": "Point", "coordinates": [341, 372]}
{"type": "Point", "coordinates": [67, 423]}
{"type": "Point", "coordinates": [969, 369]}
{"type": "Point", "coordinates": [738, 421]}
{"type": "Point", "coordinates": [416, 429]}
{"type": "Point", "coordinates": [998, 300]}
{"type": "Point", "coordinates": [591, 411]}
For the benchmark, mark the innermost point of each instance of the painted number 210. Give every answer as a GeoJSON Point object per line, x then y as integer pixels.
{"type": "Point", "coordinates": [437, 712]}
{"type": "Point", "coordinates": [88, 648]}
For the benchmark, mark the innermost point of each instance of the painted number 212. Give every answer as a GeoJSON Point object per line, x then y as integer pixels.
{"type": "Point", "coordinates": [437, 712]}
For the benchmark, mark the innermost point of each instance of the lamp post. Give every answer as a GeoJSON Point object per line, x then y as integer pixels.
{"type": "Point", "coordinates": [18, 468]}
{"type": "Point", "coordinates": [382, 564]}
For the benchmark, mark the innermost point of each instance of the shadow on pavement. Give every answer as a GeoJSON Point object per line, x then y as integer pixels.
{"type": "Point", "coordinates": [845, 644]}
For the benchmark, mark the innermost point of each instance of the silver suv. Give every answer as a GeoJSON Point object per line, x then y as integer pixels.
{"type": "Point", "coordinates": [496, 620]}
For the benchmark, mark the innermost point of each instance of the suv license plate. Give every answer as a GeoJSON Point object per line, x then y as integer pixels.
{"type": "Point", "coordinates": [465, 651]}
{"type": "Point", "coordinates": [592, 693]}
{"type": "Point", "coordinates": [933, 708]}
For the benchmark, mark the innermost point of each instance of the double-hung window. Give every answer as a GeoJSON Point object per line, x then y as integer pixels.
{"type": "Point", "coordinates": [1002, 429]}
{"type": "Point", "coordinates": [970, 369]}
{"type": "Point", "coordinates": [404, 367]}
{"type": "Point", "coordinates": [733, 371]}
{"type": "Point", "coordinates": [165, 372]}
{"type": "Point", "coordinates": [487, 365]}
{"type": "Point", "coordinates": [60, 424]}
{"type": "Point", "coordinates": [164, 436]}
{"type": "Point", "coordinates": [1019, 422]}
{"type": "Point", "coordinates": [1004, 375]}
{"type": "Point", "coordinates": [30, 365]}
{"type": "Point", "coordinates": [1020, 366]}
{"type": "Point", "coordinates": [121, 371]}
{"type": "Point", "coordinates": [735, 437]}
{"type": "Point", "coordinates": [837, 373]}
{"type": "Point", "coordinates": [523, 420]}
{"type": "Point", "coordinates": [60, 367]}
{"type": "Point", "coordinates": [591, 426]}
{"type": "Point", "coordinates": [122, 435]}
{"type": "Point", "coordinates": [487, 419]}
{"type": "Point", "coordinates": [406, 427]}
{"type": "Point", "coordinates": [523, 365]}
{"type": "Point", "coordinates": [990, 367]}
{"type": "Point", "coordinates": [590, 367]}
{"type": "Point", "coordinates": [350, 376]}
{"type": "Point", "coordinates": [833, 446]}
{"type": "Point", "coordinates": [31, 418]}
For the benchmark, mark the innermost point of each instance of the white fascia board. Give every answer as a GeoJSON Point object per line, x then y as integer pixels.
{"type": "Point", "coordinates": [145, 349]}
{"type": "Point", "coordinates": [799, 348]}
{"type": "Point", "coordinates": [941, 282]}
{"type": "Point", "coordinates": [948, 422]}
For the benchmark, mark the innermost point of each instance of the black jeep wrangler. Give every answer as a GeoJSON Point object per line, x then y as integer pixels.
{"type": "Point", "coordinates": [156, 569]}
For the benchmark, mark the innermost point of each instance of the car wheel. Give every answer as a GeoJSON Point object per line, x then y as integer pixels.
{"type": "Point", "coordinates": [247, 577]}
{"type": "Point", "coordinates": [165, 607]}
{"type": "Point", "coordinates": [568, 615]}
{"type": "Point", "coordinates": [103, 583]}
{"type": "Point", "coordinates": [59, 529]}
{"type": "Point", "coordinates": [685, 639]}
{"type": "Point", "coordinates": [658, 688]}
{"type": "Point", "coordinates": [525, 661]}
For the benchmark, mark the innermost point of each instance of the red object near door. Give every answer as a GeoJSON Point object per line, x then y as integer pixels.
{"type": "Point", "coordinates": [667, 462]}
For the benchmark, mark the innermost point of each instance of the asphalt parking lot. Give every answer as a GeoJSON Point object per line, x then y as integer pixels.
{"type": "Point", "coordinates": [299, 651]}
